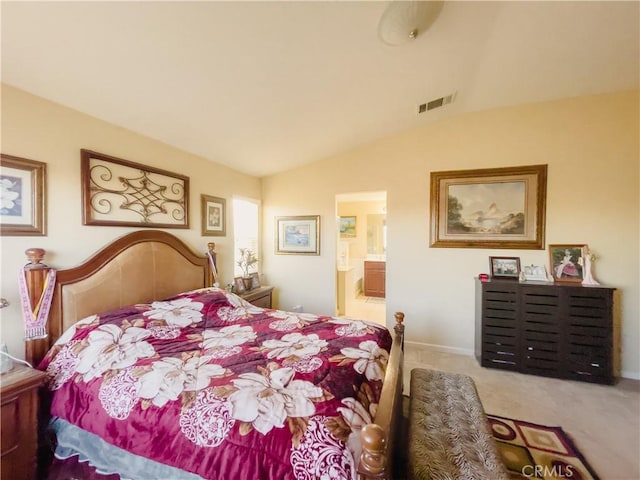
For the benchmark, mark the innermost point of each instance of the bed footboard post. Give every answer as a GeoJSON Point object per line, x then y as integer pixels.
{"type": "Point", "coordinates": [373, 458]}
{"type": "Point", "coordinates": [213, 264]}
{"type": "Point", "coordinates": [399, 326]}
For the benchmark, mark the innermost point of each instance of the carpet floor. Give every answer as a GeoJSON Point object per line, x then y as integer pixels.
{"type": "Point", "coordinates": [536, 451]}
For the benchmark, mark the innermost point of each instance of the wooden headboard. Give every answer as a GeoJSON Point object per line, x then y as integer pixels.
{"type": "Point", "coordinates": [139, 267]}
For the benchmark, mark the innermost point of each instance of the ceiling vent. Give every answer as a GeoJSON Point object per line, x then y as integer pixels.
{"type": "Point", "coordinates": [436, 103]}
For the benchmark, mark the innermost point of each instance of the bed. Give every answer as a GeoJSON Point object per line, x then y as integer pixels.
{"type": "Point", "coordinates": [153, 373]}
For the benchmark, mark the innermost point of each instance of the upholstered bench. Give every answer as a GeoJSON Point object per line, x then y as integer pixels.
{"type": "Point", "coordinates": [449, 436]}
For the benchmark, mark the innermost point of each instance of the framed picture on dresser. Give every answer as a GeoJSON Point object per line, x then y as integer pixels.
{"type": "Point", "coordinates": [566, 262]}
{"type": "Point", "coordinates": [505, 267]}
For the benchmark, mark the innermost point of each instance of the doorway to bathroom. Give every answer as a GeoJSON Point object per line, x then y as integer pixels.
{"type": "Point", "coordinates": [361, 255]}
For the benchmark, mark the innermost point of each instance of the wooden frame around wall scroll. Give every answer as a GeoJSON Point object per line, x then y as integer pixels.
{"type": "Point", "coordinates": [24, 205]}
{"type": "Point", "coordinates": [489, 208]}
{"type": "Point", "coordinates": [117, 192]}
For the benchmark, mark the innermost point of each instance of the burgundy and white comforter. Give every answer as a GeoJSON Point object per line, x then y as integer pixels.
{"type": "Point", "coordinates": [212, 385]}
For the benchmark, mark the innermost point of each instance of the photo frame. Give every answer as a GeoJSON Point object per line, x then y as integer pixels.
{"type": "Point", "coordinates": [348, 227]}
{"type": "Point", "coordinates": [255, 280]}
{"type": "Point", "coordinates": [117, 192]}
{"type": "Point", "coordinates": [489, 208]}
{"type": "Point", "coordinates": [505, 267]}
{"type": "Point", "coordinates": [535, 273]}
{"type": "Point", "coordinates": [213, 216]}
{"type": "Point", "coordinates": [567, 262]}
{"type": "Point", "coordinates": [238, 286]}
{"type": "Point", "coordinates": [298, 235]}
{"type": "Point", "coordinates": [24, 207]}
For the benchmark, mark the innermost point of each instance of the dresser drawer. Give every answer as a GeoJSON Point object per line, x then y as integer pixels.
{"type": "Point", "coordinates": [260, 297]}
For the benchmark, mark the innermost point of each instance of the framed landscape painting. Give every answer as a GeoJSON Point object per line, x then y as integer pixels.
{"type": "Point", "coordinates": [298, 235]}
{"type": "Point", "coordinates": [348, 227]}
{"type": "Point", "coordinates": [489, 208]}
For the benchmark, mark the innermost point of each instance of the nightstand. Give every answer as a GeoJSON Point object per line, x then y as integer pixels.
{"type": "Point", "coordinates": [19, 435]}
{"type": "Point", "coordinates": [260, 297]}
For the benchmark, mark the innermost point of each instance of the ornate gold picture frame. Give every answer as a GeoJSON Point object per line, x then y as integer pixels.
{"type": "Point", "coordinates": [489, 208]}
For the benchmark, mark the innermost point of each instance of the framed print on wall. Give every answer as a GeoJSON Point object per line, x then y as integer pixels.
{"type": "Point", "coordinates": [118, 192]}
{"type": "Point", "coordinates": [567, 262]}
{"type": "Point", "coordinates": [214, 216]}
{"type": "Point", "coordinates": [489, 208]}
{"type": "Point", "coordinates": [23, 208]}
{"type": "Point", "coordinates": [348, 227]}
{"type": "Point", "coordinates": [298, 235]}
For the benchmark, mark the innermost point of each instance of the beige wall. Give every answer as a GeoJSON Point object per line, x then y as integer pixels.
{"type": "Point", "coordinates": [41, 130]}
{"type": "Point", "coordinates": [591, 145]}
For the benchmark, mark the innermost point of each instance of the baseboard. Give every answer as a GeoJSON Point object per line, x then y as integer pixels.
{"type": "Point", "coordinates": [626, 374]}
{"type": "Point", "coordinates": [441, 348]}
{"type": "Point", "coordinates": [469, 352]}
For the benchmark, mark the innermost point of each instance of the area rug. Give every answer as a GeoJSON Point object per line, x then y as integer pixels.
{"type": "Point", "coordinates": [532, 451]}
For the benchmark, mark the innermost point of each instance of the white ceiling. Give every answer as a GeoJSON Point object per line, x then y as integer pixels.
{"type": "Point", "coordinates": [267, 86]}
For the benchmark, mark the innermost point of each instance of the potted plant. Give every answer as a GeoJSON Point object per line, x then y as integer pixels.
{"type": "Point", "coordinates": [247, 262]}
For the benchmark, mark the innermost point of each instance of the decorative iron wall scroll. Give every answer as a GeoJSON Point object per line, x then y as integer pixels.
{"type": "Point", "coordinates": [122, 193]}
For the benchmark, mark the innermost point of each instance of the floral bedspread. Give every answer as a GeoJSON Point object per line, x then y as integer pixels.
{"type": "Point", "coordinates": [210, 384]}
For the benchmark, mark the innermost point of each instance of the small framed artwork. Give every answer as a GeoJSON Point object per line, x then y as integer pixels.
{"type": "Point", "coordinates": [566, 262]}
{"type": "Point", "coordinates": [348, 227]}
{"type": "Point", "coordinates": [23, 210]}
{"type": "Point", "coordinates": [255, 280]}
{"type": "Point", "coordinates": [299, 235]}
{"type": "Point", "coordinates": [505, 267]}
{"type": "Point", "coordinates": [535, 273]}
{"type": "Point", "coordinates": [238, 285]}
{"type": "Point", "coordinates": [214, 216]}
{"type": "Point", "coordinates": [489, 208]}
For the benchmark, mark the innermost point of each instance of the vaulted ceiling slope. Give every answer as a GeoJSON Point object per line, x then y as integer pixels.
{"type": "Point", "coordinates": [267, 86]}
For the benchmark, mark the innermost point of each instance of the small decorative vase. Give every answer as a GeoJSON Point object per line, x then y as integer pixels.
{"type": "Point", "coordinates": [247, 281]}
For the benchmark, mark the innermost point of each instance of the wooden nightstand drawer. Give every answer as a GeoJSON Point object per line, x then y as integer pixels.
{"type": "Point", "coordinates": [19, 413]}
{"type": "Point", "coordinates": [10, 436]}
{"type": "Point", "coordinates": [260, 297]}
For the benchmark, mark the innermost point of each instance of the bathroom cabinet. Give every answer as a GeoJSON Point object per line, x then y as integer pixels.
{"type": "Point", "coordinates": [374, 278]}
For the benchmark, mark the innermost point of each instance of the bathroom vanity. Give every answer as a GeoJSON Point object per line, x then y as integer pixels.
{"type": "Point", "coordinates": [374, 278]}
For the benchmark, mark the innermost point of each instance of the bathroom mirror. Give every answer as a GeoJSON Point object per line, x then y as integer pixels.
{"type": "Point", "coordinates": [376, 234]}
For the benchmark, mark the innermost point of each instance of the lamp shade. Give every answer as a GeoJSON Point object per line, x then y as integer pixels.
{"type": "Point", "coordinates": [405, 20]}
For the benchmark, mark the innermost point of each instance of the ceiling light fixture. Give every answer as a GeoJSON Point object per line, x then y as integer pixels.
{"type": "Point", "coordinates": [405, 20]}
